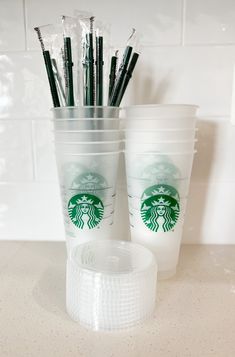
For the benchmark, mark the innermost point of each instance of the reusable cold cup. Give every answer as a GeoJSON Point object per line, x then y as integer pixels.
{"type": "Point", "coordinates": [158, 123]}
{"type": "Point", "coordinates": [86, 112]}
{"type": "Point", "coordinates": [87, 135]}
{"type": "Point", "coordinates": [86, 124]}
{"type": "Point", "coordinates": [157, 185]}
{"type": "Point", "coordinates": [160, 135]}
{"type": "Point", "coordinates": [160, 146]}
{"type": "Point", "coordinates": [87, 147]}
{"type": "Point", "coordinates": [160, 110]}
{"type": "Point", "coordinates": [88, 189]}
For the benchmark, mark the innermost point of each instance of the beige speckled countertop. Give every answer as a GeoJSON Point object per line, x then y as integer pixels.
{"type": "Point", "coordinates": [195, 313]}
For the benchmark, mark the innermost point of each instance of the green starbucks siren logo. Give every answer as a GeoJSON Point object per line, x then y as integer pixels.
{"type": "Point", "coordinates": [160, 213]}
{"type": "Point", "coordinates": [85, 210]}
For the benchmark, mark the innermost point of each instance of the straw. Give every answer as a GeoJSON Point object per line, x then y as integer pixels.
{"type": "Point", "coordinates": [112, 75]}
{"type": "Point", "coordinates": [49, 69]}
{"type": "Point", "coordinates": [127, 77]}
{"type": "Point", "coordinates": [58, 80]}
{"type": "Point", "coordinates": [68, 71]}
{"type": "Point", "coordinates": [120, 76]}
{"type": "Point", "coordinates": [90, 69]}
{"type": "Point", "coordinates": [99, 70]}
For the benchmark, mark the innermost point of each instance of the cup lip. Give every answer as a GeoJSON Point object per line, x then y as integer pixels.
{"type": "Point", "coordinates": [159, 117]}
{"type": "Point", "coordinates": [161, 106]}
{"type": "Point", "coordinates": [176, 180]}
{"type": "Point", "coordinates": [87, 131]}
{"type": "Point", "coordinates": [161, 153]}
{"type": "Point", "coordinates": [160, 130]}
{"type": "Point", "coordinates": [85, 107]}
{"type": "Point", "coordinates": [88, 142]}
{"type": "Point", "coordinates": [67, 120]}
{"type": "Point", "coordinates": [92, 153]}
{"type": "Point", "coordinates": [162, 141]}
{"type": "Point", "coordinates": [152, 259]}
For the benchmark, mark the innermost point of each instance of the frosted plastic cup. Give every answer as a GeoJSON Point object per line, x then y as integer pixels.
{"type": "Point", "coordinates": [155, 166]}
{"type": "Point", "coordinates": [153, 233]}
{"type": "Point", "coordinates": [86, 112]}
{"type": "Point", "coordinates": [157, 210]}
{"type": "Point", "coordinates": [160, 135]}
{"type": "Point", "coordinates": [88, 189]}
{"type": "Point", "coordinates": [86, 124]}
{"type": "Point", "coordinates": [139, 190]}
{"type": "Point", "coordinates": [87, 135]}
{"type": "Point", "coordinates": [160, 110]}
{"type": "Point", "coordinates": [87, 147]}
{"type": "Point", "coordinates": [158, 123]}
{"type": "Point", "coordinates": [160, 146]}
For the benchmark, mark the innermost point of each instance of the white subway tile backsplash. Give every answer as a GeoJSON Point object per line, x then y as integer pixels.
{"type": "Point", "coordinates": [12, 25]}
{"type": "Point", "coordinates": [214, 161]}
{"type": "Point", "coordinates": [210, 214]}
{"type": "Point", "coordinates": [159, 21]}
{"type": "Point", "coordinates": [15, 134]}
{"type": "Point", "coordinates": [193, 75]}
{"type": "Point", "coordinates": [45, 163]}
{"type": "Point", "coordinates": [16, 165]}
{"type": "Point", "coordinates": [16, 162]}
{"type": "Point", "coordinates": [24, 91]}
{"type": "Point", "coordinates": [30, 212]}
{"type": "Point", "coordinates": [209, 22]}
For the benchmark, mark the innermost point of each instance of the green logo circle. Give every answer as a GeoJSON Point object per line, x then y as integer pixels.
{"type": "Point", "coordinates": [85, 210]}
{"type": "Point", "coordinates": [160, 213]}
{"type": "Point", "coordinates": [160, 190]}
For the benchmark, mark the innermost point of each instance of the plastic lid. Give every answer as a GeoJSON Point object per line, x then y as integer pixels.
{"type": "Point", "coordinates": [111, 285]}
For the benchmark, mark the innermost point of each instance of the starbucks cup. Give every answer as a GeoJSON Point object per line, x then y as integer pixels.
{"type": "Point", "coordinates": [160, 146]}
{"type": "Point", "coordinates": [88, 189]}
{"type": "Point", "coordinates": [158, 123]}
{"type": "Point", "coordinates": [87, 147]}
{"type": "Point", "coordinates": [87, 135]}
{"type": "Point", "coordinates": [85, 112]}
{"type": "Point", "coordinates": [157, 185]}
{"type": "Point", "coordinates": [150, 136]}
{"type": "Point", "coordinates": [160, 110]}
{"type": "Point", "coordinates": [71, 124]}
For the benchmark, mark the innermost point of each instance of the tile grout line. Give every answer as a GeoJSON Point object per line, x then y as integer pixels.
{"type": "Point", "coordinates": [183, 17]}
{"type": "Point", "coordinates": [25, 25]}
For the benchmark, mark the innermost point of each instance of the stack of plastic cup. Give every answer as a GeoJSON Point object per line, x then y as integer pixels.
{"type": "Point", "coordinates": [87, 146]}
{"type": "Point", "coordinates": [159, 151]}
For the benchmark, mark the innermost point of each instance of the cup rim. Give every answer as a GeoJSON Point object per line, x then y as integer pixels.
{"type": "Point", "coordinates": [156, 118]}
{"type": "Point", "coordinates": [161, 130]}
{"type": "Point", "coordinates": [85, 107]}
{"type": "Point", "coordinates": [67, 120]}
{"type": "Point", "coordinates": [93, 153]}
{"type": "Point", "coordinates": [88, 142]}
{"type": "Point", "coordinates": [161, 153]}
{"type": "Point", "coordinates": [163, 141]}
{"type": "Point", "coordinates": [161, 106]}
{"type": "Point", "coordinates": [87, 131]}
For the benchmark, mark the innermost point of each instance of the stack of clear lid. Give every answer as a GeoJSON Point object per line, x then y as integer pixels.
{"type": "Point", "coordinates": [111, 285]}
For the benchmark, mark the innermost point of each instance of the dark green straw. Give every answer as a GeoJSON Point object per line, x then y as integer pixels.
{"type": "Point", "coordinates": [49, 69]}
{"type": "Point", "coordinates": [90, 81]}
{"type": "Point", "coordinates": [68, 71]}
{"type": "Point", "coordinates": [127, 78]}
{"type": "Point", "coordinates": [112, 75]}
{"type": "Point", "coordinates": [99, 70]}
{"type": "Point", "coordinates": [120, 76]}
